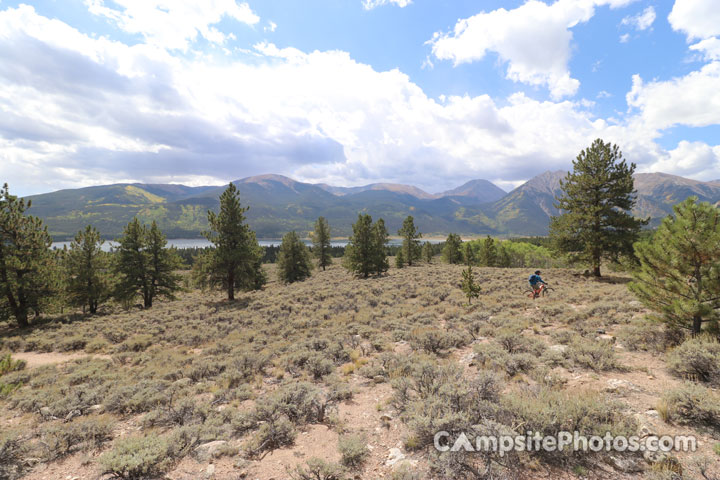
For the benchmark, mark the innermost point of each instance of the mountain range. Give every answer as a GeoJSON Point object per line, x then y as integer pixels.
{"type": "Point", "coordinates": [279, 204]}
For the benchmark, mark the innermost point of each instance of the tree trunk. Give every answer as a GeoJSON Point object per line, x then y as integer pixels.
{"type": "Point", "coordinates": [22, 318]}
{"type": "Point", "coordinates": [596, 270]}
{"type": "Point", "coordinates": [697, 325]}
{"type": "Point", "coordinates": [231, 285]}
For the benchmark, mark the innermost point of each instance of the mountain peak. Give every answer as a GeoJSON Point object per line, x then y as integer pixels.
{"type": "Point", "coordinates": [478, 189]}
{"type": "Point", "coordinates": [269, 177]}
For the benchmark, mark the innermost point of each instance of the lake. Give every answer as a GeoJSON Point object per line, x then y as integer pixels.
{"type": "Point", "coordinates": [202, 242]}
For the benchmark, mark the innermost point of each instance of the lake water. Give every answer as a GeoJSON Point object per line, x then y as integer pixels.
{"type": "Point", "coordinates": [202, 242]}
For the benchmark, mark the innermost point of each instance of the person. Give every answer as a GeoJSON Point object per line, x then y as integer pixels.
{"type": "Point", "coordinates": [536, 283]}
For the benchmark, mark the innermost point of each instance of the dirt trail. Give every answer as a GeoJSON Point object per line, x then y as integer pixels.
{"type": "Point", "coordinates": [35, 359]}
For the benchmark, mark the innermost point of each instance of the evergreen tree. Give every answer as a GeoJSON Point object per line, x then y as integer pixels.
{"type": "Point", "coordinates": [503, 257]}
{"type": "Point", "coordinates": [468, 254]}
{"type": "Point", "coordinates": [399, 259]}
{"type": "Point", "coordinates": [452, 251]}
{"type": "Point", "coordinates": [468, 285]}
{"type": "Point", "coordinates": [26, 261]}
{"type": "Point", "coordinates": [428, 252]}
{"type": "Point", "coordinates": [131, 264]}
{"type": "Point", "coordinates": [163, 263]}
{"type": "Point", "coordinates": [87, 269]}
{"type": "Point", "coordinates": [488, 252]}
{"type": "Point", "coordinates": [380, 239]}
{"type": "Point", "coordinates": [679, 272]}
{"type": "Point", "coordinates": [410, 235]}
{"type": "Point", "coordinates": [361, 251]}
{"type": "Point", "coordinates": [293, 260]}
{"type": "Point", "coordinates": [236, 260]}
{"type": "Point", "coordinates": [321, 242]}
{"type": "Point", "coordinates": [596, 200]}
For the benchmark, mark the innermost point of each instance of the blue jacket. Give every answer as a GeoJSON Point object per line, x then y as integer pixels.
{"type": "Point", "coordinates": [535, 279]}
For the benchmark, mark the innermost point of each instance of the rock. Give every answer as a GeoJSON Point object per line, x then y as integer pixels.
{"type": "Point", "coordinates": [625, 464]}
{"type": "Point", "coordinates": [605, 338]}
{"type": "Point", "coordinates": [72, 414]}
{"type": "Point", "coordinates": [558, 348]}
{"type": "Point", "coordinates": [616, 385]}
{"type": "Point", "coordinates": [644, 430]}
{"type": "Point", "coordinates": [600, 331]}
{"type": "Point", "coordinates": [394, 457]}
{"type": "Point", "coordinates": [404, 465]}
{"type": "Point", "coordinates": [209, 450]}
{"type": "Point", "coordinates": [209, 471]}
{"type": "Point", "coordinates": [654, 457]}
{"type": "Point", "coordinates": [45, 412]}
{"type": "Point", "coordinates": [386, 418]}
{"type": "Point", "coordinates": [378, 379]}
{"type": "Point", "coordinates": [652, 413]}
{"type": "Point", "coordinates": [468, 358]}
{"type": "Point", "coordinates": [96, 408]}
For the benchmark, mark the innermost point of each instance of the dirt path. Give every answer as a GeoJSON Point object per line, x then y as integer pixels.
{"type": "Point", "coordinates": [35, 359]}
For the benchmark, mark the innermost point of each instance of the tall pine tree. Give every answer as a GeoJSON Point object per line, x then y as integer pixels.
{"type": "Point", "coordinates": [379, 250]}
{"type": "Point", "coordinates": [679, 273]}
{"type": "Point", "coordinates": [321, 242]}
{"type": "Point", "coordinates": [361, 249]}
{"type": "Point", "coordinates": [428, 252]}
{"type": "Point", "coordinates": [144, 265]}
{"type": "Point", "coordinates": [87, 268]}
{"type": "Point", "coordinates": [488, 252]}
{"type": "Point", "coordinates": [236, 260]}
{"type": "Point", "coordinates": [293, 259]}
{"type": "Point", "coordinates": [410, 235]}
{"type": "Point", "coordinates": [452, 251]}
{"type": "Point", "coordinates": [26, 261]}
{"type": "Point", "coordinates": [596, 200]}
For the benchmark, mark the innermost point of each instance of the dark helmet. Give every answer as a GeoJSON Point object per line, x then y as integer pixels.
{"type": "Point", "coordinates": [537, 272]}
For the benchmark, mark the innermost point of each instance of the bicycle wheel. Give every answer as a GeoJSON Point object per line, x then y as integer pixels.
{"type": "Point", "coordinates": [547, 291]}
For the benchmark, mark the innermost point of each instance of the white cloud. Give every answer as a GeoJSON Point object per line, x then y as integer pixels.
{"type": "Point", "coordinates": [77, 110]}
{"type": "Point", "coordinates": [641, 21]}
{"type": "Point", "coordinates": [698, 19]}
{"type": "Point", "coordinates": [710, 48]}
{"type": "Point", "coordinates": [696, 159]}
{"type": "Point", "coordinates": [370, 4]}
{"type": "Point", "coordinates": [692, 100]}
{"type": "Point", "coordinates": [173, 24]}
{"type": "Point", "coordinates": [270, 27]}
{"type": "Point", "coordinates": [534, 40]}
{"type": "Point", "coordinates": [624, 37]}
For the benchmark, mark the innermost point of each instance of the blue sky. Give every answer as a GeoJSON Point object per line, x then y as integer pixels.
{"type": "Point", "coordinates": [350, 92]}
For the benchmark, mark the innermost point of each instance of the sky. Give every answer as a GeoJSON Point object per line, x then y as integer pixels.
{"type": "Point", "coordinates": [349, 92]}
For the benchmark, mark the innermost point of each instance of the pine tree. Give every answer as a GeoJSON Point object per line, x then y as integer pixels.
{"type": "Point", "coordinates": [400, 259]}
{"type": "Point", "coordinates": [236, 260]}
{"type": "Point", "coordinates": [452, 251]}
{"type": "Point", "coordinates": [361, 251]}
{"type": "Point", "coordinates": [468, 254]}
{"type": "Point", "coordinates": [428, 252]}
{"type": "Point", "coordinates": [468, 285]}
{"type": "Point", "coordinates": [293, 260]}
{"type": "Point", "coordinates": [488, 252]}
{"type": "Point", "coordinates": [596, 200]}
{"type": "Point", "coordinates": [87, 269]}
{"type": "Point", "coordinates": [379, 251]}
{"type": "Point", "coordinates": [410, 235]}
{"type": "Point", "coordinates": [131, 264]}
{"type": "Point", "coordinates": [503, 257]}
{"type": "Point", "coordinates": [321, 242]}
{"type": "Point", "coordinates": [163, 263]}
{"type": "Point", "coordinates": [679, 272]}
{"type": "Point", "coordinates": [26, 262]}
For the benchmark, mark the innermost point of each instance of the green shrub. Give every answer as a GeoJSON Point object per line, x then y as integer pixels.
{"type": "Point", "coordinates": [12, 452]}
{"type": "Point", "coordinates": [597, 355]}
{"type": "Point", "coordinates": [7, 365]}
{"type": "Point", "coordinates": [691, 404]}
{"type": "Point", "coordinates": [353, 450]}
{"type": "Point", "coordinates": [137, 458]}
{"type": "Point", "coordinates": [81, 434]}
{"type": "Point", "coordinates": [642, 335]}
{"type": "Point", "coordinates": [435, 340]}
{"type": "Point", "coordinates": [136, 343]}
{"type": "Point", "coordinates": [494, 356]}
{"type": "Point", "coordinates": [318, 469]}
{"type": "Point", "coordinates": [696, 359]}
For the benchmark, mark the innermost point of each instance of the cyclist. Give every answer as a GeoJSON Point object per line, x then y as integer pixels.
{"type": "Point", "coordinates": [536, 283]}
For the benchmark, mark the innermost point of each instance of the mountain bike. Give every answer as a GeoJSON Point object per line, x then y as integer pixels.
{"type": "Point", "coordinates": [543, 291]}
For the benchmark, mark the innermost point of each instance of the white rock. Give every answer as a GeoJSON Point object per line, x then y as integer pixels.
{"type": "Point", "coordinates": [206, 451]}
{"type": "Point", "coordinates": [394, 456]}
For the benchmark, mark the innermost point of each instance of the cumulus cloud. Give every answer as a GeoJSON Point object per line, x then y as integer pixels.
{"type": "Point", "coordinates": [173, 24]}
{"type": "Point", "coordinates": [534, 40]}
{"type": "Point", "coordinates": [370, 4]}
{"type": "Point", "coordinates": [78, 110]}
{"type": "Point", "coordinates": [641, 21]}
{"type": "Point", "coordinates": [698, 19]}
